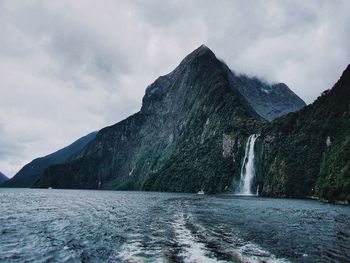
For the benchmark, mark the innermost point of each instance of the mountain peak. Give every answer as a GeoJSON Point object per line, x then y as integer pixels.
{"type": "Point", "coordinates": [162, 84]}
{"type": "Point", "coordinates": [203, 47]}
{"type": "Point", "coordinates": [262, 99]}
{"type": "Point", "coordinates": [201, 51]}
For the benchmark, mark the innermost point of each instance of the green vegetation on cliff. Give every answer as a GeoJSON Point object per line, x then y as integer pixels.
{"type": "Point", "coordinates": [306, 153]}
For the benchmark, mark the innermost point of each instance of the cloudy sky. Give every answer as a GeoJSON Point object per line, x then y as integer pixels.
{"type": "Point", "coordinates": [71, 67]}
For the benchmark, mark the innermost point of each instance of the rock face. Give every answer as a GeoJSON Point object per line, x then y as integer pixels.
{"type": "Point", "coordinates": [189, 134]}
{"type": "Point", "coordinates": [3, 178]}
{"type": "Point", "coordinates": [307, 153]}
{"type": "Point", "coordinates": [269, 101]}
{"type": "Point", "coordinates": [32, 171]}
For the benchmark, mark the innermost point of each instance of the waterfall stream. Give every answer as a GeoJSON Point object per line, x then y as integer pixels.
{"type": "Point", "coordinates": [248, 169]}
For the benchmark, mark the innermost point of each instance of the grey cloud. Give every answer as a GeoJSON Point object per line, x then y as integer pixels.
{"type": "Point", "coordinates": [80, 53]}
{"type": "Point", "coordinates": [75, 49]}
{"type": "Point", "coordinates": [70, 67]}
{"type": "Point", "coordinates": [8, 148]}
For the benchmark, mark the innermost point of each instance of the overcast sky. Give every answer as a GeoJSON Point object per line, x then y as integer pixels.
{"type": "Point", "coordinates": [71, 67]}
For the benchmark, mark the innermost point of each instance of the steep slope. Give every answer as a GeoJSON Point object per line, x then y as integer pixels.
{"type": "Point", "coordinates": [307, 153]}
{"type": "Point", "coordinates": [189, 135]}
{"type": "Point", "coordinates": [3, 178]}
{"type": "Point", "coordinates": [32, 171]}
{"type": "Point", "coordinates": [269, 101]}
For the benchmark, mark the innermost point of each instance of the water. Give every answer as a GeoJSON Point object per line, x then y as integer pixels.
{"type": "Point", "coordinates": [110, 226]}
{"type": "Point", "coordinates": [248, 169]}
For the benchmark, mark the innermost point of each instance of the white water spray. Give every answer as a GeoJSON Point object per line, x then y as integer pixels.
{"type": "Point", "coordinates": [248, 169]}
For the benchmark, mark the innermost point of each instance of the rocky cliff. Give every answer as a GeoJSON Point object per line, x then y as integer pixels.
{"type": "Point", "coordinates": [189, 134]}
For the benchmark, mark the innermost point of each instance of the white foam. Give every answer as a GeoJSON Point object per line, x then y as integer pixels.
{"type": "Point", "coordinates": [192, 250]}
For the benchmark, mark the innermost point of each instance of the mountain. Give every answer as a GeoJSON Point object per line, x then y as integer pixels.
{"type": "Point", "coordinates": [189, 134]}
{"type": "Point", "coordinates": [32, 171]}
{"type": "Point", "coordinates": [3, 178]}
{"type": "Point", "coordinates": [269, 101]}
{"type": "Point", "coordinates": [307, 153]}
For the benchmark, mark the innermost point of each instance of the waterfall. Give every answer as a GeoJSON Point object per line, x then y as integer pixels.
{"type": "Point", "coordinates": [248, 169]}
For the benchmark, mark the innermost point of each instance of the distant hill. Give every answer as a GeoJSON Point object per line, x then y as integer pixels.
{"type": "Point", "coordinates": [32, 171]}
{"type": "Point", "coordinates": [3, 178]}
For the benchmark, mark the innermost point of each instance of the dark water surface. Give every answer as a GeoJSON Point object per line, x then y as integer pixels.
{"type": "Point", "coordinates": [108, 226]}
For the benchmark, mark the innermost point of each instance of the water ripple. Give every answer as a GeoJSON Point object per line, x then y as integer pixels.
{"type": "Point", "coordinates": [107, 226]}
